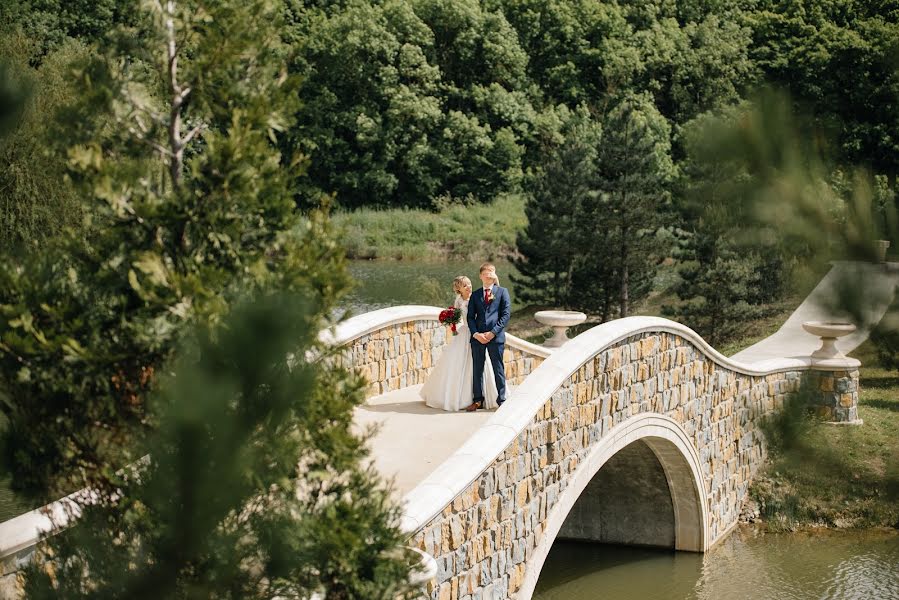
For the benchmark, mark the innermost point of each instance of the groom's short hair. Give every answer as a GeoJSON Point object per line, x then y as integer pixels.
{"type": "Point", "coordinates": [486, 266]}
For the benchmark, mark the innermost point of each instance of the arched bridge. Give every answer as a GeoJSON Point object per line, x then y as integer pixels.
{"type": "Point", "coordinates": [636, 431]}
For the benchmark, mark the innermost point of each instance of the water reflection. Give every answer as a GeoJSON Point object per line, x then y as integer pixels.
{"type": "Point", "coordinates": [801, 566]}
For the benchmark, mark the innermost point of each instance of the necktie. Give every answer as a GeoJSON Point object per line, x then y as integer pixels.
{"type": "Point", "coordinates": [486, 291]}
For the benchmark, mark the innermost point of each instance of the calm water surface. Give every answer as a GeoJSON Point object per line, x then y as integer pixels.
{"type": "Point", "coordinates": [385, 283]}
{"type": "Point", "coordinates": [824, 565]}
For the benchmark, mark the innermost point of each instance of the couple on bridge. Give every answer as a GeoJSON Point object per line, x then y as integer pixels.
{"type": "Point", "coordinates": [463, 377]}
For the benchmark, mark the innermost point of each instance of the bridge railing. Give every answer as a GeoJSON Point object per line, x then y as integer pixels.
{"type": "Point", "coordinates": [392, 348]}
{"type": "Point", "coordinates": [489, 513]}
{"type": "Point", "coordinates": [396, 347]}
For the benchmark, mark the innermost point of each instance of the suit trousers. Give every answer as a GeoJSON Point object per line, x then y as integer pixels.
{"type": "Point", "coordinates": [479, 353]}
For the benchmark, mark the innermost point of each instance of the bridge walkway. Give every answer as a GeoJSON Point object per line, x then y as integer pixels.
{"type": "Point", "coordinates": [408, 446]}
{"type": "Point", "coordinates": [879, 283]}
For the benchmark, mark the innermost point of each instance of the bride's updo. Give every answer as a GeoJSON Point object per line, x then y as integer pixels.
{"type": "Point", "coordinates": [460, 282]}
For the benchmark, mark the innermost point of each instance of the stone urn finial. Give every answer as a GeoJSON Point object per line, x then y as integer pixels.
{"type": "Point", "coordinates": [829, 332]}
{"type": "Point", "coordinates": [559, 320]}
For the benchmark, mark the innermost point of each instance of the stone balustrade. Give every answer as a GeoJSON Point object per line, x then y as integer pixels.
{"type": "Point", "coordinates": [490, 513]}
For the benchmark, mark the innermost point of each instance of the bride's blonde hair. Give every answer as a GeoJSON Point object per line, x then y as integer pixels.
{"type": "Point", "coordinates": [460, 282]}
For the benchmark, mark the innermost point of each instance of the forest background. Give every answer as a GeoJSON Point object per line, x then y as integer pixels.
{"type": "Point", "coordinates": [586, 130]}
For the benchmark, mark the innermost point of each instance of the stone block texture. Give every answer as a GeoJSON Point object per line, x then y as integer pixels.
{"type": "Point", "coordinates": [403, 355]}
{"type": "Point", "coordinates": [484, 538]}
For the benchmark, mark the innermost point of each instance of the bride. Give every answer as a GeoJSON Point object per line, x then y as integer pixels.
{"type": "Point", "coordinates": [450, 384]}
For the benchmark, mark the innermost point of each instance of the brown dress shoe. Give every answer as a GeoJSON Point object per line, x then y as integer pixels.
{"type": "Point", "coordinates": [473, 407]}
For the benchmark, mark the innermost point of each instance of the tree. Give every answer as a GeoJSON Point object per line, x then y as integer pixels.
{"type": "Point", "coordinates": [715, 283]}
{"type": "Point", "coordinates": [52, 23]}
{"type": "Point", "coordinates": [724, 276]}
{"type": "Point", "coordinates": [633, 173]}
{"type": "Point", "coordinates": [407, 101]}
{"type": "Point", "coordinates": [551, 243]}
{"type": "Point", "coordinates": [579, 51]}
{"type": "Point", "coordinates": [217, 510]}
{"type": "Point", "coordinates": [838, 64]}
{"type": "Point", "coordinates": [694, 66]}
{"type": "Point", "coordinates": [172, 148]}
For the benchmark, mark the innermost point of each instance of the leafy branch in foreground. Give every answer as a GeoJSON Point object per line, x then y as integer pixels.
{"type": "Point", "coordinates": [87, 323]}
{"type": "Point", "coordinates": [254, 487]}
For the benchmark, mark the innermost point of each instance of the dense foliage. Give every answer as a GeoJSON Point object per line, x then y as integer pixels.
{"type": "Point", "coordinates": [170, 148]}
{"type": "Point", "coordinates": [144, 194]}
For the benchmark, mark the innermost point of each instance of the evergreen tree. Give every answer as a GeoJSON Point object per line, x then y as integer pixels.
{"type": "Point", "coordinates": [171, 147]}
{"type": "Point", "coordinates": [715, 282]}
{"type": "Point", "coordinates": [725, 277]}
{"type": "Point", "coordinates": [217, 510]}
{"type": "Point", "coordinates": [550, 244]}
{"type": "Point", "coordinates": [634, 171]}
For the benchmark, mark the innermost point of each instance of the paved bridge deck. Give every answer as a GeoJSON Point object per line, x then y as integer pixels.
{"type": "Point", "coordinates": [413, 438]}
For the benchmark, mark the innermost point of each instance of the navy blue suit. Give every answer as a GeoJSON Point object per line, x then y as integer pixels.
{"type": "Point", "coordinates": [492, 317]}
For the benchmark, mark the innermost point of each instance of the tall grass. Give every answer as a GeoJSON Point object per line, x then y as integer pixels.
{"type": "Point", "coordinates": [457, 231]}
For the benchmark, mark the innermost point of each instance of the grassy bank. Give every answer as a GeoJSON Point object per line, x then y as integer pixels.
{"type": "Point", "coordinates": [839, 476]}
{"type": "Point", "coordinates": [457, 232]}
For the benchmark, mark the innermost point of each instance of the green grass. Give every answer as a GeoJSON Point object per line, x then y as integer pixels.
{"type": "Point", "coordinates": [458, 232]}
{"type": "Point", "coordinates": [839, 476]}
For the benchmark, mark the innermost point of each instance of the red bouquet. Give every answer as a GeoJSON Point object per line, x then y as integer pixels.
{"type": "Point", "coordinates": [451, 316]}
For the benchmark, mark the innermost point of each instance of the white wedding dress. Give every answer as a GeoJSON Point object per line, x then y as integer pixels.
{"type": "Point", "coordinates": [450, 384]}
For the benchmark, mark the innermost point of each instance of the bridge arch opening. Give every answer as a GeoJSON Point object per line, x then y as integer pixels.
{"type": "Point", "coordinates": [628, 501]}
{"type": "Point", "coordinates": [640, 485]}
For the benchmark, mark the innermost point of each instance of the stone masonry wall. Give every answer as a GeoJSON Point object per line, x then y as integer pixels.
{"type": "Point", "coordinates": [483, 539]}
{"type": "Point", "coordinates": [396, 356]}
{"type": "Point", "coordinates": [402, 355]}
{"type": "Point", "coordinates": [519, 364]}
{"type": "Point", "coordinates": [834, 395]}
{"type": "Point", "coordinates": [11, 582]}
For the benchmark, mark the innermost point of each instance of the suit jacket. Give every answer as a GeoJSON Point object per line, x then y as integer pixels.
{"type": "Point", "coordinates": [491, 317]}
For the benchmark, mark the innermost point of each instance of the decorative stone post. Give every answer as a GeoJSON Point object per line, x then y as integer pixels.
{"type": "Point", "coordinates": [834, 376]}
{"type": "Point", "coordinates": [559, 320]}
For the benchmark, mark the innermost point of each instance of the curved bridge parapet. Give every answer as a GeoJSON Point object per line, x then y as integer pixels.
{"type": "Point", "coordinates": [490, 513]}
{"type": "Point", "coordinates": [396, 347]}
{"type": "Point", "coordinates": [641, 387]}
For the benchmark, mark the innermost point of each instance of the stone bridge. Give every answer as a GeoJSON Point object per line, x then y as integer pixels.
{"type": "Point", "coordinates": [634, 432]}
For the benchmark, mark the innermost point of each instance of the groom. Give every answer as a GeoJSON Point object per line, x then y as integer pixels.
{"type": "Point", "coordinates": [488, 314]}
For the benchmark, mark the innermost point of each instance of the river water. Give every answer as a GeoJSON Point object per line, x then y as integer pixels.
{"type": "Point", "coordinates": [381, 284]}
{"type": "Point", "coordinates": [823, 565]}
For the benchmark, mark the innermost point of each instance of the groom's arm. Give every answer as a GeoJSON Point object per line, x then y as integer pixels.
{"type": "Point", "coordinates": [505, 312]}
{"type": "Point", "coordinates": [472, 324]}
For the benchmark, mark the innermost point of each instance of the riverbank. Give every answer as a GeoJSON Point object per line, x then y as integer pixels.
{"type": "Point", "coordinates": [456, 232]}
{"type": "Point", "coordinates": [821, 475]}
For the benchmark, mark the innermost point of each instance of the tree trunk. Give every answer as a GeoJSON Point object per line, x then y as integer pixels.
{"type": "Point", "coordinates": [623, 298]}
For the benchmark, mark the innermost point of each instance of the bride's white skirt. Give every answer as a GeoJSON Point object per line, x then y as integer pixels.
{"type": "Point", "coordinates": [450, 384]}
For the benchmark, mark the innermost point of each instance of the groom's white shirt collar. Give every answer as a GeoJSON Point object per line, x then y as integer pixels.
{"type": "Point", "coordinates": [489, 287]}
